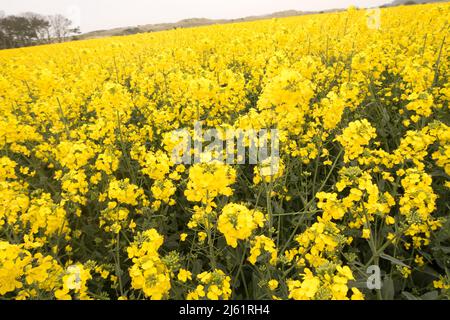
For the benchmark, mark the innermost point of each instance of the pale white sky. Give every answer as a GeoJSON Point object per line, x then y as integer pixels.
{"type": "Point", "coordinates": [105, 14]}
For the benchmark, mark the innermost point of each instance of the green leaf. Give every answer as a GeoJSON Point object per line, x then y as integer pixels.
{"type": "Point", "coordinates": [393, 260]}
{"type": "Point", "coordinates": [430, 271]}
{"type": "Point", "coordinates": [446, 250]}
{"type": "Point", "coordinates": [410, 296]}
{"type": "Point", "coordinates": [387, 289]}
{"type": "Point", "coordinates": [432, 295]}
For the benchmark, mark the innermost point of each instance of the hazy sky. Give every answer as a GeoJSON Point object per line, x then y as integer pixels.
{"type": "Point", "coordinates": [105, 14]}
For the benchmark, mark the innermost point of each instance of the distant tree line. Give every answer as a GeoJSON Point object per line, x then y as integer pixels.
{"type": "Point", "coordinates": [29, 29]}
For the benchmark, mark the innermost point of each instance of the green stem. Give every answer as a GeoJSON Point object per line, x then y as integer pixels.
{"type": "Point", "coordinates": [118, 269]}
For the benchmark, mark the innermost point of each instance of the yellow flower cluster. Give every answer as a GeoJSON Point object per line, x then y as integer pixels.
{"type": "Point", "coordinates": [330, 285]}
{"type": "Point", "coordinates": [237, 222]}
{"type": "Point", "coordinates": [214, 285]}
{"type": "Point", "coordinates": [417, 204]}
{"type": "Point", "coordinates": [74, 282]}
{"type": "Point", "coordinates": [124, 192]}
{"type": "Point", "coordinates": [355, 137]}
{"type": "Point", "coordinates": [27, 275]}
{"type": "Point", "coordinates": [209, 180]}
{"type": "Point", "coordinates": [148, 272]}
{"type": "Point", "coordinates": [269, 170]}
{"type": "Point", "coordinates": [263, 249]}
{"type": "Point", "coordinates": [114, 218]}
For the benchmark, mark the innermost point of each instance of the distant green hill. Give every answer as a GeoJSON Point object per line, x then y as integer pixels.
{"type": "Point", "coordinates": [400, 2]}
{"type": "Point", "coordinates": [186, 23]}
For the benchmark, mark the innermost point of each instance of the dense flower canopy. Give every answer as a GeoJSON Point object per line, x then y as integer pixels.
{"type": "Point", "coordinates": [93, 206]}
